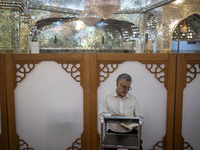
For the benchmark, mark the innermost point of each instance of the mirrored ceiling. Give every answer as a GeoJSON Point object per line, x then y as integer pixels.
{"type": "Point", "coordinates": [131, 5]}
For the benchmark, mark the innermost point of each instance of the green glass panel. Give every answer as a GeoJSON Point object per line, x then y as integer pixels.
{"type": "Point", "coordinates": [5, 29]}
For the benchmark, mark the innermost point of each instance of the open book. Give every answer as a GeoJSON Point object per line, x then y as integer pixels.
{"type": "Point", "coordinates": [129, 126]}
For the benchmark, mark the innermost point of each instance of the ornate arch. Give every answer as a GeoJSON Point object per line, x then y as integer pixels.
{"type": "Point", "coordinates": [185, 28]}
{"type": "Point", "coordinates": [38, 25]}
{"type": "Point", "coordinates": [178, 23]}
{"type": "Point", "coordinates": [151, 21]}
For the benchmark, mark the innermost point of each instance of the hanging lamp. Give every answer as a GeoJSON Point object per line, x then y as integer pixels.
{"type": "Point", "coordinates": [88, 15]}
{"type": "Point", "coordinates": [106, 8]}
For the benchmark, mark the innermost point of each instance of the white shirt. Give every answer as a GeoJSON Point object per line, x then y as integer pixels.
{"type": "Point", "coordinates": [112, 104]}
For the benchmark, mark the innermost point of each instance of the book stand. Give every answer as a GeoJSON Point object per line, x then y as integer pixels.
{"type": "Point", "coordinates": [120, 140]}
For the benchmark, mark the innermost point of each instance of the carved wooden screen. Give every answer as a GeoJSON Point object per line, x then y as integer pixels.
{"type": "Point", "coordinates": [3, 108]}
{"type": "Point", "coordinates": [18, 67]}
{"type": "Point", "coordinates": [187, 120]}
{"type": "Point", "coordinates": [92, 71]}
{"type": "Point", "coordinates": [162, 66]}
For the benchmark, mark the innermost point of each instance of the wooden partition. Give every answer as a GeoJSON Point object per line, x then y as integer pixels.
{"type": "Point", "coordinates": [188, 69]}
{"type": "Point", "coordinates": [168, 69]}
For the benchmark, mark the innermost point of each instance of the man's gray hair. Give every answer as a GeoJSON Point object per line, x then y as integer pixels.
{"type": "Point", "coordinates": [124, 76]}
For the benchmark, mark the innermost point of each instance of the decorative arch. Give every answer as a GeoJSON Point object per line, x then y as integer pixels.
{"type": "Point", "coordinates": [151, 22]}
{"type": "Point", "coordinates": [35, 28]}
{"type": "Point", "coordinates": [181, 19]}
{"type": "Point", "coordinates": [185, 26]}
{"type": "Point", "coordinates": [178, 23]}
{"type": "Point", "coordinates": [150, 30]}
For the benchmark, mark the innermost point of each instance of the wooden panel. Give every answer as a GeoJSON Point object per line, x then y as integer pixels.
{"type": "Point", "coordinates": [134, 57]}
{"type": "Point", "coordinates": [181, 82]}
{"type": "Point", "coordinates": [170, 102]}
{"type": "Point", "coordinates": [3, 107]}
{"type": "Point", "coordinates": [86, 141]}
{"type": "Point", "coordinates": [13, 137]}
{"type": "Point", "coordinates": [170, 65]}
{"type": "Point", "coordinates": [47, 57]}
{"type": "Point", "coordinates": [95, 137]}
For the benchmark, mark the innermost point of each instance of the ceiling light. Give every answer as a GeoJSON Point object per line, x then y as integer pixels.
{"type": "Point", "coordinates": [106, 8]}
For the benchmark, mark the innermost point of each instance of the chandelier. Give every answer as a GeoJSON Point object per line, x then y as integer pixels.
{"type": "Point", "coordinates": [89, 17]}
{"type": "Point", "coordinates": [106, 8]}
{"type": "Point", "coordinates": [94, 10]}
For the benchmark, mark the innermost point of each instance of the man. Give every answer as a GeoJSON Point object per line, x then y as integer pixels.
{"type": "Point", "coordinates": [120, 103]}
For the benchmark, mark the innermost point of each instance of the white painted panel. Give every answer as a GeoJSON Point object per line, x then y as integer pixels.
{"type": "Point", "coordinates": [49, 108]}
{"type": "Point", "coordinates": [151, 94]}
{"type": "Point", "coordinates": [35, 47]}
{"type": "Point", "coordinates": [191, 112]}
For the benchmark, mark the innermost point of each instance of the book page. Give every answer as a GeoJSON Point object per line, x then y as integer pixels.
{"type": "Point", "coordinates": [129, 126]}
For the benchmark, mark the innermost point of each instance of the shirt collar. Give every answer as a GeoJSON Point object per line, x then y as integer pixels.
{"type": "Point", "coordinates": [115, 94]}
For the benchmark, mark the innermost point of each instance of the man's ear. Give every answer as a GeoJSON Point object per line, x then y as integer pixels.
{"type": "Point", "coordinates": [117, 83]}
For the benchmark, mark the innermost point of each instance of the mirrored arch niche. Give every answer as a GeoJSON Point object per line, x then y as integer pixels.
{"type": "Point", "coordinates": [186, 35]}
{"type": "Point", "coordinates": [70, 33]}
{"type": "Point", "coordinates": [150, 34]}
{"type": "Point", "coordinates": [173, 13]}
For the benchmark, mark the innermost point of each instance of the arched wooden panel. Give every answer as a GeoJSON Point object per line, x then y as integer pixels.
{"type": "Point", "coordinates": [18, 66]}
{"type": "Point", "coordinates": [166, 60]}
{"type": "Point", "coordinates": [188, 69]}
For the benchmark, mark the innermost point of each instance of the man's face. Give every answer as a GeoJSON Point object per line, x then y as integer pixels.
{"type": "Point", "coordinates": [123, 88]}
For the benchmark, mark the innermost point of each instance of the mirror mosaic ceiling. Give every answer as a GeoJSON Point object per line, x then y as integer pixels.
{"type": "Point", "coordinates": [79, 4]}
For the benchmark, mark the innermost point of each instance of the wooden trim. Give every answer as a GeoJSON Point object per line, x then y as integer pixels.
{"type": "Point", "coordinates": [46, 57]}
{"type": "Point", "coordinates": [13, 137]}
{"type": "Point", "coordinates": [95, 137]}
{"type": "Point", "coordinates": [168, 145]}
{"type": "Point", "coordinates": [3, 107]}
{"type": "Point", "coordinates": [192, 57]}
{"type": "Point", "coordinates": [86, 141]}
{"type": "Point", "coordinates": [180, 85]}
{"type": "Point", "coordinates": [133, 57]}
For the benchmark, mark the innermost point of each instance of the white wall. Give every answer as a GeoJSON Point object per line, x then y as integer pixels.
{"type": "Point", "coordinates": [184, 46]}
{"type": "Point", "coordinates": [191, 112]}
